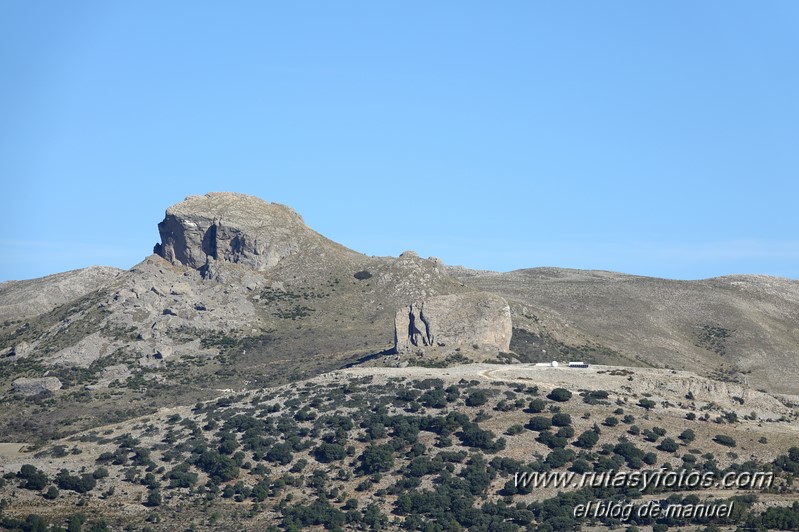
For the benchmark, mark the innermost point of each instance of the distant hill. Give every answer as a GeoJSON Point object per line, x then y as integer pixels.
{"type": "Point", "coordinates": [240, 293]}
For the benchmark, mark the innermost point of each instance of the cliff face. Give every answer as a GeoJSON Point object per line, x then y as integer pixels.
{"type": "Point", "coordinates": [469, 319]}
{"type": "Point", "coordinates": [234, 228]}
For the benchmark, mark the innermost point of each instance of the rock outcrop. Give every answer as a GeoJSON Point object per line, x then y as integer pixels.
{"type": "Point", "coordinates": [35, 386]}
{"type": "Point", "coordinates": [223, 226]}
{"type": "Point", "coordinates": [475, 318]}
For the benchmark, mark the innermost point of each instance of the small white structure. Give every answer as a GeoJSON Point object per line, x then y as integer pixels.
{"type": "Point", "coordinates": [554, 364]}
{"type": "Point", "coordinates": [578, 365]}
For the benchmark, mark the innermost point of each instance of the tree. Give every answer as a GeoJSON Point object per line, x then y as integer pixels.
{"type": "Point", "coordinates": [329, 452]}
{"type": "Point", "coordinates": [668, 445]}
{"type": "Point", "coordinates": [587, 439]}
{"type": "Point", "coordinates": [725, 440]}
{"type": "Point", "coordinates": [476, 398]}
{"type": "Point", "coordinates": [153, 498]}
{"type": "Point", "coordinates": [561, 420]}
{"type": "Point", "coordinates": [539, 423]}
{"type": "Point", "coordinates": [687, 435]}
{"type": "Point", "coordinates": [648, 404]}
{"type": "Point", "coordinates": [377, 458]}
{"type": "Point", "coordinates": [537, 405]}
{"type": "Point", "coordinates": [218, 467]}
{"type": "Point", "coordinates": [33, 479]}
{"type": "Point", "coordinates": [560, 394]}
{"type": "Point", "coordinates": [81, 484]}
{"type": "Point", "coordinates": [280, 453]}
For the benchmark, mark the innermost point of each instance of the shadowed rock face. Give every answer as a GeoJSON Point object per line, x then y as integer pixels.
{"type": "Point", "coordinates": [453, 320]}
{"type": "Point", "coordinates": [235, 228]}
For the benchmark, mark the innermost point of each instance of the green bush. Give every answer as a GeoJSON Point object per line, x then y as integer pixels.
{"type": "Point", "coordinates": [79, 484]}
{"type": "Point", "coordinates": [476, 398]}
{"type": "Point", "coordinates": [725, 440]}
{"type": "Point", "coordinates": [561, 420]}
{"type": "Point", "coordinates": [560, 394]}
{"type": "Point", "coordinates": [32, 478]}
{"type": "Point", "coordinates": [537, 405]}
{"type": "Point", "coordinates": [668, 445]}
{"type": "Point", "coordinates": [220, 468]}
{"type": "Point", "coordinates": [539, 423]}
{"type": "Point", "coordinates": [648, 404]}
{"type": "Point", "coordinates": [329, 452]}
{"type": "Point", "coordinates": [587, 439]}
{"type": "Point", "coordinates": [377, 458]}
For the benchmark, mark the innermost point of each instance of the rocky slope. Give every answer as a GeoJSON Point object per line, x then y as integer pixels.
{"type": "Point", "coordinates": [240, 293]}
{"type": "Point", "coordinates": [22, 299]}
{"type": "Point", "coordinates": [743, 328]}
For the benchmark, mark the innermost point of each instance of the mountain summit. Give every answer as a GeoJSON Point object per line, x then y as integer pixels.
{"type": "Point", "coordinates": [225, 226]}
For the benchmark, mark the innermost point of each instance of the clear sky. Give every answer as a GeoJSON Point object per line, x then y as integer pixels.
{"type": "Point", "coordinates": [655, 138]}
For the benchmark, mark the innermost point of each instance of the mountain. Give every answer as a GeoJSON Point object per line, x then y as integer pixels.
{"type": "Point", "coordinates": [241, 293]}
{"type": "Point", "coordinates": [252, 374]}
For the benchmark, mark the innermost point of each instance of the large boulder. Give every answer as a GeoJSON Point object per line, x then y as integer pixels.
{"type": "Point", "coordinates": [223, 226]}
{"type": "Point", "coordinates": [475, 318]}
{"type": "Point", "coordinates": [35, 386]}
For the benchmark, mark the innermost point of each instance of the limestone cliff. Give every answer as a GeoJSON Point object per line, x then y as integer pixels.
{"type": "Point", "coordinates": [236, 228]}
{"type": "Point", "coordinates": [475, 318]}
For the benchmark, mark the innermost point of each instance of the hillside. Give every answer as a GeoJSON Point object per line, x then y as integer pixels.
{"type": "Point", "coordinates": [372, 448]}
{"type": "Point", "coordinates": [252, 372]}
{"type": "Point", "coordinates": [741, 328]}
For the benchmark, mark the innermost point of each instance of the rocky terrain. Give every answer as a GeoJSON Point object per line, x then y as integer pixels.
{"type": "Point", "coordinates": [394, 448]}
{"type": "Point", "coordinates": [743, 328]}
{"type": "Point", "coordinates": [240, 295]}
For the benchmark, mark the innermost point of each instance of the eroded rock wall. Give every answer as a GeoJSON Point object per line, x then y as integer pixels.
{"type": "Point", "coordinates": [475, 318]}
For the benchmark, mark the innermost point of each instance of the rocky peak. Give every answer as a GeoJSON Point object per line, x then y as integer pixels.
{"type": "Point", "coordinates": [236, 228]}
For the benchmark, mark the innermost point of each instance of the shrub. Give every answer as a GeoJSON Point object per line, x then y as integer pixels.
{"type": "Point", "coordinates": [560, 394]}
{"type": "Point", "coordinates": [611, 421]}
{"type": "Point", "coordinates": [280, 453]}
{"type": "Point", "coordinates": [153, 498]}
{"type": "Point", "coordinates": [377, 458]}
{"type": "Point", "coordinates": [362, 275]}
{"type": "Point", "coordinates": [81, 484]}
{"type": "Point", "coordinates": [218, 467]}
{"type": "Point", "coordinates": [514, 429]}
{"type": "Point", "coordinates": [476, 398]}
{"type": "Point", "coordinates": [561, 420]}
{"type": "Point", "coordinates": [648, 404]}
{"type": "Point", "coordinates": [181, 476]}
{"type": "Point", "coordinates": [329, 452]}
{"type": "Point", "coordinates": [587, 439]}
{"type": "Point", "coordinates": [668, 445]}
{"type": "Point", "coordinates": [725, 440]}
{"type": "Point", "coordinates": [539, 423]}
{"type": "Point", "coordinates": [687, 435]}
{"type": "Point", "coordinates": [559, 457]}
{"type": "Point", "coordinates": [565, 432]}
{"type": "Point", "coordinates": [537, 405]}
{"type": "Point", "coordinates": [33, 478]}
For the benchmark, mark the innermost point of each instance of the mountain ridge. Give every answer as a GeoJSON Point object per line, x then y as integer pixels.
{"type": "Point", "coordinates": [242, 293]}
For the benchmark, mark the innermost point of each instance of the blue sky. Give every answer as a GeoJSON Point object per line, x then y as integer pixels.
{"type": "Point", "coordinates": [658, 139]}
